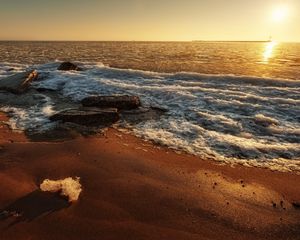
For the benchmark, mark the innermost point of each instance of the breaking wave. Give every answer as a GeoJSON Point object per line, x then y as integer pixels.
{"type": "Point", "coordinates": [233, 119]}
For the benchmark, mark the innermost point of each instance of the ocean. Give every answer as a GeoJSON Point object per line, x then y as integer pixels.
{"type": "Point", "coordinates": [232, 102]}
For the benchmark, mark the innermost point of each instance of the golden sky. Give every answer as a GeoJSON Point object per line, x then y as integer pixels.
{"type": "Point", "coordinates": [150, 20]}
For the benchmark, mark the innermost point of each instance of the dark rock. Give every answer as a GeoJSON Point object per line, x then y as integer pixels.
{"type": "Point", "coordinates": [119, 102]}
{"type": "Point", "coordinates": [18, 83]}
{"type": "Point", "coordinates": [159, 109]}
{"type": "Point", "coordinates": [88, 116]}
{"type": "Point", "coordinates": [68, 66]}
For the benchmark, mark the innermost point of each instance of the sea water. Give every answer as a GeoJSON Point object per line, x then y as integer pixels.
{"type": "Point", "coordinates": [229, 102]}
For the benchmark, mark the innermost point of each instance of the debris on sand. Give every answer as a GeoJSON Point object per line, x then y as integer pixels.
{"type": "Point", "coordinates": [68, 187]}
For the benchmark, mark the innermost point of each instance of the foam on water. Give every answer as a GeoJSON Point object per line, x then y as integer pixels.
{"type": "Point", "coordinates": [7, 69]}
{"type": "Point", "coordinates": [34, 118]}
{"type": "Point", "coordinates": [234, 119]}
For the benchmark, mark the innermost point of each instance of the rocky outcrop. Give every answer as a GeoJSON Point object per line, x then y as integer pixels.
{"type": "Point", "coordinates": [88, 116]}
{"type": "Point", "coordinates": [68, 66]}
{"type": "Point", "coordinates": [19, 82]}
{"type": "Point", "coordinates": [119, 102]}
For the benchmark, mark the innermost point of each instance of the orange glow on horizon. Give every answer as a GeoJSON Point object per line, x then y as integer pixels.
{"type": "Point", "coordinates": [150, 20]}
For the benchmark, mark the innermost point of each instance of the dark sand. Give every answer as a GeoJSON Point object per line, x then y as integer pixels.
{"type": "Point", "coordinates": [135, 190]}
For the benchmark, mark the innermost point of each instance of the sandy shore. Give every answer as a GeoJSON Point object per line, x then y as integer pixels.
{"type": "Point", "coordinates": [135, 190]}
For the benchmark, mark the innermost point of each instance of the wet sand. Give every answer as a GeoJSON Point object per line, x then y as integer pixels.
{"type": "Point", "coordinates": [136, 190]}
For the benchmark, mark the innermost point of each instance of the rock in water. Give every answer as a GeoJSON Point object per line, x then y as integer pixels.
{"type": "Point", "coordinates": [19, 82]}
{"type": "Point", "coordinates": [119, 102]}
{"type": "Point", "coordinates": [142, 114]}
{"type": "Point", "coordinates": [88, 116]}
{"type": "Point", "coordinates": [68, 66]}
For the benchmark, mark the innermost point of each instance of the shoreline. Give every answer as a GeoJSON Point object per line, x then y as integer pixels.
{"type": "Point", "coordinates": [134, 189]}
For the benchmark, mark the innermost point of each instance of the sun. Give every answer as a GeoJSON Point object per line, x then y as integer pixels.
{"type": "Point", "coordinates": [280, 13]}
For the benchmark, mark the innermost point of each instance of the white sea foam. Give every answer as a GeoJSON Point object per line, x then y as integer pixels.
{"type": "Point", "coordinates": [7, 69]}
{"type": "Point", "coordinates": [264, 120]}
{"type": "Point", "coordinates": [248, 120]}
{"type": "Point", "coordinates": [31, 118]}
{"type": "Point", "coordinates": [69, 187]}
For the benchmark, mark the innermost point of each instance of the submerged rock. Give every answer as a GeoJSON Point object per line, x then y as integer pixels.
{"type": "Point", "coordinates": [68, 66]}
{"type": "Point", "coordinates": [159, 109]}
{"type": "Point", "coordinates": [142, 114]}
{"type": "Point", "coordinates": [18, 83]}
{"type": "Point", "coordinates": [88, 116]}
{"type": "Point", "coordinates": [119, 102]}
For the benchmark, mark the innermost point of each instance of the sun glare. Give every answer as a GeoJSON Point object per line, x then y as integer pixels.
{"type": "Point", "coordinates": [280, 13]}
{"type": "Point", "coordinates": [269, 49]}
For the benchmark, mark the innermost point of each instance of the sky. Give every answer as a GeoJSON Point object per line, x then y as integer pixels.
{"type": "Point", "coordinates": [150, 20]}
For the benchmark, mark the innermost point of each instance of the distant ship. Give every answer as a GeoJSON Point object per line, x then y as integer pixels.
{"type": "Point", "coordinates": [270, 39]}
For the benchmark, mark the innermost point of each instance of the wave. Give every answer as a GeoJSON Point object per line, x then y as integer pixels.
{"type": "Point", "coordinates": [234, 119]}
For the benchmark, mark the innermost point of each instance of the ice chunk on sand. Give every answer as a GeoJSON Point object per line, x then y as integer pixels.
{"type": "Point", "coordinates": [68, 187]}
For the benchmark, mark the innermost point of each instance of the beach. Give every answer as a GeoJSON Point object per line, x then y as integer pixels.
{"type": "Point", "coordinates": [134, 189]}
{"type": "Point", "coordinates": [149, 120]}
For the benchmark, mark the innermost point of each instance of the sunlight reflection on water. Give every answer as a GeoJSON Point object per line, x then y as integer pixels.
{"type": "Point", "coordinates": [269, 51]}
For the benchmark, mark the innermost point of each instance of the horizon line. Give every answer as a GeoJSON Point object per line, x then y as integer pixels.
{"type": "Point", "coordinates": [257, 41]}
